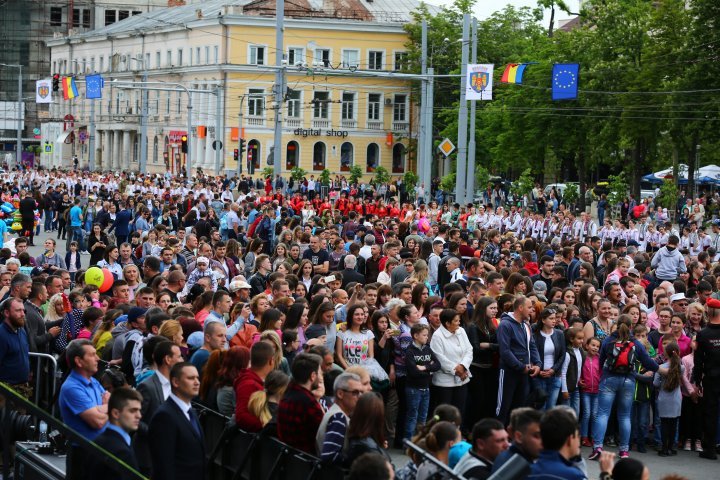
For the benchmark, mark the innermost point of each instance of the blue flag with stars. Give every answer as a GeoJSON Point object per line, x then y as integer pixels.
{"type": "Point", "coordinates": [93, 86]}
{"type": "Point", "coordinates": [565, 81]}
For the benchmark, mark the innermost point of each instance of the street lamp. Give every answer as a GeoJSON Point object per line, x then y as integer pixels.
{"type": "Point", "coordinates": [18, 139]}
{"type": "Point", "coordinates": [143, 118]}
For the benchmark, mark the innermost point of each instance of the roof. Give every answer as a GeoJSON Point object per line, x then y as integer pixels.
{"type": "Point", "coordinates": [376, 11]}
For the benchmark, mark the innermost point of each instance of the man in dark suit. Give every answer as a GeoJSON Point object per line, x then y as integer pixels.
{"type": "Point", "coordinates": [155, 390]}
{"type": "Point", "coordinates": [124, 418]}
{"type": "Point", "coordinates": [178, 449]}
{"type": "Point", "coordinates": [349, 274]}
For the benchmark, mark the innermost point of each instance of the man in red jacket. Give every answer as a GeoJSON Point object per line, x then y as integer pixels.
{"type": "Point", "coordinates": [252, 380]}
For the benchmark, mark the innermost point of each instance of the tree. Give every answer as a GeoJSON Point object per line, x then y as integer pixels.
{"type": "Point", "coordinates": [447, 183]}
{"type": "Point", "coordinates": [524, 185]}
{"type": "Point", "coordinates": [267, 172]}
{"type": "Point", "coordinates": [669, 194]}
{"type": "Point", "coordinates": [381, 175]}
{"type": "Point", "coordinates": [355, 174]}
{"type": "Point", "coordinates": [410, 179]}
{"type": "Point", "coordinates": [324, 177]}
{"type": "Point", "coordinates": [298, 174]}
{"type": "Point", "coordinates": [570, 195]}
{"type": "Point", "coordinates": [617, 189]}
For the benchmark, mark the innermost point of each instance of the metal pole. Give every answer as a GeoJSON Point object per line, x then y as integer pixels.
{"type": "Point", "coordinates": [188, 155]}
{"type": "Point", "coordinates": [462, 115]}
{"type": "Point", "coordinates": [219, 136]}
{"type": "Point", "coordinates": [429, 154]}
{"type": "Point", "coordinates": [470, 178]}
{"type": "Point", "coordinates": [18, 139]}
{"type": "Point", "coordinates": [240, 136]}
{"type": "Point", "coordinates": [144, 123]}
{"type": "Point", "coordinates": [279, 86]}
{"type": "Point", "coordinates": [91, 139]}
{"type": "Point", "coordinates": [422, 153]}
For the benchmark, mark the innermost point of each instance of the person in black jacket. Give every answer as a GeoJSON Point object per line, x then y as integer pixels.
{"type": "Point", "coordinates": [180, 455]}
{"type": "Point", "coordinates": [484, 370]}
{"type": "Point", "coordinates": [420, 362]}
{"type": "Point", "coordinates": [123, 420]}
{"type": "Point", "coordinates": [706, 375]}
{"type": "Point", "coordinates": [27, 208]}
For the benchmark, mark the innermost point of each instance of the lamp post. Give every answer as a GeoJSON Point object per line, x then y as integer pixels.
{"type": "Point", "coordinates": [18, 138]}
{"type": "Point", "coordinates": [143, 118]}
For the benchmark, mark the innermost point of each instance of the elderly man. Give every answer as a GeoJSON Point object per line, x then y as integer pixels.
{"type": "Point", "coordinates": [331, 433]}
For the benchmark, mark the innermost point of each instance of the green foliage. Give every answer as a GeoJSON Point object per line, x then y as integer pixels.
{"type": "Point", "coordinates": [355, 173]}
{"type": "Point", "coordinates": [482, 177]}
{"type": "Point", "coordinates": [669, 194]}
{"type": "Point", "coordinates": [298, 173]}
{"type": "Point", "coordinates": [410, 179]}
{"type": "Point", "coordinates": [324, 177]}
{"type": "Point", "coordinates": [267, 172]}
{"type": "Point", "coordinates": [617, 188]}
{"type": "Point", "coordinates": [524, 184]}
{"type": "Point", "coordinates": [571, 194]}
{"type": "Point", "coordinates": [447, 183]}
{"type": "Point", "coordinates": [381, 175]}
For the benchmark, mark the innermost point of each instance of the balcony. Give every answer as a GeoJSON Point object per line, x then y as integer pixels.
{"type": "Point", "coordinates": [400, 126]}
{"type": "Point", "coordinates": [321, 123]}
{"type": "Point", "coordinates": [256, 121]}
{"type": "Point", "coordinates": [375, 125]}
{"type": "Point", "coordinates": [293, 122]}
{"type": "Point", "coordinates": [348, 123]}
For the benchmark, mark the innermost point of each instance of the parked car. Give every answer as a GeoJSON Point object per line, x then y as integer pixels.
{"type": "Point", "coordinates": [560, 188]}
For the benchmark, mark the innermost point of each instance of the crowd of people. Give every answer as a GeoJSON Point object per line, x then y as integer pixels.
{"type": "Point", "coordinates": [347, 320]}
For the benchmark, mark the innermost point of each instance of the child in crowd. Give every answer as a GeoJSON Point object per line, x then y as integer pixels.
{"type": "Point", "coordinates": [291, 344]}
{"type": "Point", "coordinates": [72, 260]}
{"type": "Point", "coordinates": [644, 394]}
{"type": "Point", "coordinates": [572, 368]}
{"type": "Point", "coordinates": [420, 362]}
{"type": "Point", "coordinates": [202, 269]}
{"type": "Point", "coordinates": [669, 397]}
{"type": "Point", "coordinates": [589, 388]}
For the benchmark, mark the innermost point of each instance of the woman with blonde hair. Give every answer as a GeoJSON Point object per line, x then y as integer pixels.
{"type": "Point", "coordinates": [696, 319]}
{"type": "Point", "coordinates": [273, 339]}
{"type": "Point", "coordinates": [56, 308]}
{"type": "Point", "coordinates": [131, 274]}
{"type": "Point", "coordinates": [103, 334]}
{"type": "Point", "coordinates": [172, 330]}
{"type": "Point", "coordinates": [264, 404]}
{"type": "Point", "coordinates": [420, 273]}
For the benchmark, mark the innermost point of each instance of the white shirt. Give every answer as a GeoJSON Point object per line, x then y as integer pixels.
{"type": "Point", "coordinates": [184, 406]}
{"type": "Point", "coordinates": [165, 384]}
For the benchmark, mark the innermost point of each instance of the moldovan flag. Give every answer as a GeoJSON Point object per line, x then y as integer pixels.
{"type": "Point", "coordinates": [43, 91]}
{"type": "Point", "coordinates": [513, 73]}
{"type": "Point", "coordinates": [69, 88]}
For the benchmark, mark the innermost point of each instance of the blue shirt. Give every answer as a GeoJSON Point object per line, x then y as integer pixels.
{"type": "Point", "coordinates": [14, 356]}
{"type": "Point", "coordinates": [78, 394]}
{"type": "Point", "coordinates": [75, 216]}
{"type": "Point", "coordinates": [552, 465]}
{"type": "Point", "coordinates": [120, 432]}
{"type": "Point", "coordinates": [3, 231]}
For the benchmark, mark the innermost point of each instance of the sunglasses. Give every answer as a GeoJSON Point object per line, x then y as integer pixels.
{"type": "Point", "coordinates": [354, 393]}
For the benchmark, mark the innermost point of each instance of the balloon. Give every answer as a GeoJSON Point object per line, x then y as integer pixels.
{"type": "Point", "coordinates": [107, 282]}
{"type": "Point", "coordinates": [94, 276]}
{"type": "Point", "coordinates": [7, 208]}
{"type": "Point", "coordinates": [16, 226]}
{"type": "Point", "coordinates": [477, 253]}
{"type": "Point", "coordinates": [424, 225]}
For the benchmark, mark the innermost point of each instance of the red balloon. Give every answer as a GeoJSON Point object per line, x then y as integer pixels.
{"type": "Point", "coordinates": [477, 253]}
{"type": "Point", "coordinates": [107, 282]}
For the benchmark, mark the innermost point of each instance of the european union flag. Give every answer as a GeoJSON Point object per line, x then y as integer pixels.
{"type": "Point", "coordinates": [565, 81]}
{"type": "Point", "coordinates": [93, 86]}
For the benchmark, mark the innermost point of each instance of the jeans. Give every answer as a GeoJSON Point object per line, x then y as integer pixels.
{"type": "Point", "coordinates": [622, 389]}
{"type": "Point", "coordinates": [551, 386]}
{"type": "Point", "coordinates": [418, 400]}
{"type": "Point", "coordinates": [574, 402]}
{"type": "Point", "coordinates": [589, 412]}
{"type": "Point", "coordinates": [48, 220]}
{"type": "Point", "coordinates": [74, 234]}
{"type": "Point", "coordinates": [640, 421]}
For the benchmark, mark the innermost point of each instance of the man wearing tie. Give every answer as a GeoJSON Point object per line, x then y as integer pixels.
{"type": "Point", "coordinates": [180, 454]}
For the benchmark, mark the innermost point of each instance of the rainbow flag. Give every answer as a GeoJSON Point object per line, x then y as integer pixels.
{"type": "Point", "coordinates": [514, 73]}
{"type": "Point", "coordinates": [69, 88]}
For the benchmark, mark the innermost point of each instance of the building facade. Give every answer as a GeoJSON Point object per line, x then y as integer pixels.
{"type": "Point", "coordinates": [346, 102]}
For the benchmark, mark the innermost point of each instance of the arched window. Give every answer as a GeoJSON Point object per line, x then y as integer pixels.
{"type": "Point", "coordinates": [398, 159]}
{"type": "Point", "coordinates": [292, 155]}
{"type": "Point", "coordinates": [253, 155]}
{"type": "Point", "coordinates": [319, 155]}
{"type": "Point", "coordinates": [347, 151]}
{"type": "Point", "coordinates": [156, 152]}
{"type": "Point", "coordinates": [373, 157]}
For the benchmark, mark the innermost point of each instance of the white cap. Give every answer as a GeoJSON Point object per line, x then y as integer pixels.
{"type": "Point", "coordinates": [676, 297]}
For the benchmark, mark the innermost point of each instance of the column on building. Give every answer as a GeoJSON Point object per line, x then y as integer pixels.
{"type": "Point", "coordinates": [198, 157]}
{"type": "Point", "coordinates": [115, 134]}
{"type": "Point", "coordinates": [210, 122]}
{"type": "Point", "coordinates": [126, 150]}
{"type": "Point", "coordinates": [99, 149]}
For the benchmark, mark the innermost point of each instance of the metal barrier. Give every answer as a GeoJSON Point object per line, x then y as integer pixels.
{"type": "Point", "coordinates": [40, 378]}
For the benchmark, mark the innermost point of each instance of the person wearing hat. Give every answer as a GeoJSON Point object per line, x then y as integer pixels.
{"type": "Point", "coordinates": [706, 374]}
{"type": "Point", "coordinates": [678, 303]}
{"type": "Point", "coordinates": [132, 351]}
{"type": "Point", "coordinates": [240, 290]}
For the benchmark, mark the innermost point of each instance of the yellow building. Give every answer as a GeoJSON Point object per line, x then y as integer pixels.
{"type": "Point", "coordinates": [345, 104]}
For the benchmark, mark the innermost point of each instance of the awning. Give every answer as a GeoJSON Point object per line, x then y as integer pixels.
{"type": "Point", "coordinates": [62, 138]}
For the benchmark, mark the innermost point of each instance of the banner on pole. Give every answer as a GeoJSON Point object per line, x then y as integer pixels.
{"type": "Point", "coordinates": [479, 81]}
{"type": "Point", "coordinates": [43, 91]}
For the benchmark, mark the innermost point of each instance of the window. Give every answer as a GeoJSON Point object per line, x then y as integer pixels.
{"type": "Point", "coordinates": [101, 67]}
{"type": "Point", "coordinates": [123, 14]}
{"type": "Point", "coordinates": [216, 52]}
{"type": "Point", "coordinates": [375, 61]}
{"type": "Point", "coordinates": [110, 17]}
{"type": "Point", "coordinates": [401, 61]}
{"type": "Point", "coordinates": [296, 56]}
{"type": "Point", "coordinates": [191, 57]}
{"type": "Point", "coordinates": [374, 106]}
{"type": "Point", "coordinates": [257, 55]}
{"type": "Point", "coordinates": [398, 159]}
{"type": "Point", "coordinates": [207, 55]}
{"type": "Point", "coordinates": [346, 156]}
{"type": "Point", "coordinates": [197, 56]}
{"type": "Point", "coordinates": [147, 61]}
{"type": "Point", "coordinates": [293, 103]}
{"type": "Point", "coordinates": [253, 155]}
{"type": "Point", "coordinates": [167, 103]}
{"type": "Point", "coordinates": [256, 102]}
{"type": "Point", "coordinates": [81, 17]}
{"type": "Point", "coordinates": [158, 59]}
{"type": "Point", "coordinates": [320, 105]}
{"type": "Point", "coordinates": [319, 151]}
{"type": "Point", "coordinates": [322, 56]}
{"type": "Point", "coordinates": [350, 58]}
{"type": "Point", "coordinates": [136, 12]}
{"type": "Point", "coordinates": [180, 57]}
{"type": "Point", "coordinates": [92, 64]}
{"type": "Point", "coordinates": [372, 159]}
{"type": "Point", "coordinates": [400, 108]}
{"type": "Point", "coordinates": [348, 106]}
{"type": "Point", "coordinates": [168, 58]}
{"type": "Point", "coordinates": [156, 151]}
{"type": "Point", "coordinates": [56, 16]}
{"type": "Point", "coordinates": [292, 154]}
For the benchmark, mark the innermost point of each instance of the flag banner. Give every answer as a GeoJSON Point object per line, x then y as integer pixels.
{"type": "Point", "coordinates": [69, 88]}
{"type": "Point", "coordinates": [514, 73]}
{"type": "Point", "coordinates": [479, 81]}
{"type": "Point", "coordinates": [43, 91]}
{"type": "Point", "coordinates": [93, 86]}
{"type": "Point", "coordinates": [565, 81]}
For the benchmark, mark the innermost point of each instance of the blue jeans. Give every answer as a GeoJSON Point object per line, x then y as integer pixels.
{"type": "Point", "coordinates": [418, 401]}
{"type": "Point", "coordinates": [551, 386]}
{"type": "Point", "coordinates": [640, 421]}
{"type": "Point", "coordinates": [589, 412]}
{"type": "Point", "coordinates": [574, 402]}
{"type": "Point", "coordinates": [622, 389]}
{"type": "Point", "coordinates": [48, 220]}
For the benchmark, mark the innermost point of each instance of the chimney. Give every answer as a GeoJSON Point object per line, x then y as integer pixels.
{"type": "Point", "coordinates": [176, 3]}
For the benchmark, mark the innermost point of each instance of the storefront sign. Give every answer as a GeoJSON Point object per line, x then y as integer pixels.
{"type": "Point", "coordinates": [312, 132]}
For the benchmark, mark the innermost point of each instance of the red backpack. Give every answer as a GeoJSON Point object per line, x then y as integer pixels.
{"type": "Point", "coordinates": [623, 358]}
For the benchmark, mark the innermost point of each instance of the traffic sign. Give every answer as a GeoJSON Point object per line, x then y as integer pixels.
{"type": "Point", "coordinates": [48, 147]}
{"type": "Point", "coordinates": [217, 145]}
{"type": "Point", "coordinates": [446, 147]}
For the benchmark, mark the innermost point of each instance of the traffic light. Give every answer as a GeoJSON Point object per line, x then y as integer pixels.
{"type": "Point", "coordinates": [56, 82]}
{"type": "Point", "coordinates": [236, 154]}
{"type": "Point", "coordinates": [242, 146]}
{"type": "Point", "coordinates": [184, 139]}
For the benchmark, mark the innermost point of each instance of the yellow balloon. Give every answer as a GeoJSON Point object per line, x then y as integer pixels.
{"type": "Point", "coordinates": [94, 276]}
{"type": "Point", "coordinates": [16, 226]}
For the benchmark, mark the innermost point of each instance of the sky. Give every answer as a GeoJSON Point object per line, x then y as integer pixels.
{"type": "Point", "coordinates": [485, 8]}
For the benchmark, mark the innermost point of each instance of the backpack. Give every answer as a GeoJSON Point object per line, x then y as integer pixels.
{"type": "Point", "coordinates": [622, 359]}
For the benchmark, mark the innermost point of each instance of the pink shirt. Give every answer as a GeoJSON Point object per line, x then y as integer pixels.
{"type": "Point", "coordinates": [684, 342]}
